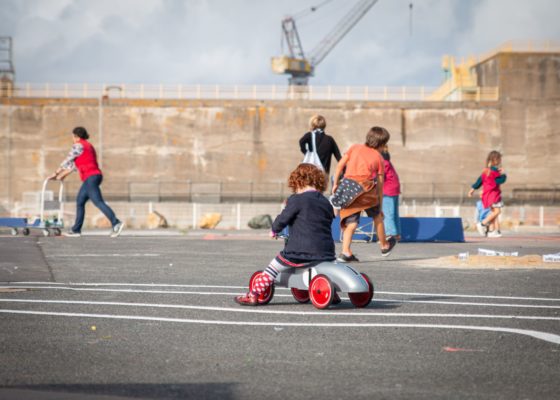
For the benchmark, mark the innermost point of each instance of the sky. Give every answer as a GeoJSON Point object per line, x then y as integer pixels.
{"type": "Point", "coordinates": [231, 41]}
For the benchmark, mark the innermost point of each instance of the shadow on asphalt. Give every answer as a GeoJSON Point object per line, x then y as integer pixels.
{"type": "Point", "coordinates": [170, 391]}
{"type": "Point", "coordinates": [345, 305]}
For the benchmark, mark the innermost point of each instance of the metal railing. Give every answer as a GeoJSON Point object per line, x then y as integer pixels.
{"type": "Point", "coordinates": [255, 192]}
{"type": "Point", "coordinates": [234, 92]}
{"type": "Point", "coordinates": [277, 191]}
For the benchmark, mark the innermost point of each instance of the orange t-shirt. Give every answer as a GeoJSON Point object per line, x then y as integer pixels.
{"type": "Point", "coordinates": [363, 163]}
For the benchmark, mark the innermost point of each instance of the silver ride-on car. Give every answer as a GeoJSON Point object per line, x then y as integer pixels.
{"type": "Point", "coordinates": [320, 284]}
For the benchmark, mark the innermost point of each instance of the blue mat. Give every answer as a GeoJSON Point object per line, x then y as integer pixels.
{"type": "Point", "coordinates": [412, 230]}
{"type": "Point", "coordinates": [432, 230]}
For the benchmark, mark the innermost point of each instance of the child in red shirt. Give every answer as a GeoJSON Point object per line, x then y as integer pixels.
{"type": "Point", "coordinates": [391, 192]}
{"type": "Point", "coordinates": [491, 178]}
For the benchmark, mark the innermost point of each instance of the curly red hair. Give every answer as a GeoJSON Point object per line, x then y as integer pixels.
{"type": "Point", "coordinates": [307, 175]}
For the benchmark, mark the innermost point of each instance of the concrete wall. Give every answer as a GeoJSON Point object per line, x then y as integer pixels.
{"type": "Point", "coordinates": [529, 112]}
{"type": "Point", "coordinates": [435, 146]}
{"type": "Point", "coordinates": [522, 76]}
{"type": "Point", "coordinates": [238, 141]}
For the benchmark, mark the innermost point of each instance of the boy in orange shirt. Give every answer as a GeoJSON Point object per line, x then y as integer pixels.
{"type": "Point", "coordinates": [361, 189]}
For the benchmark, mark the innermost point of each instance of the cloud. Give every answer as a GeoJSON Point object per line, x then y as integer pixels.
{"type": "Point", "coordinates": [231, 41]}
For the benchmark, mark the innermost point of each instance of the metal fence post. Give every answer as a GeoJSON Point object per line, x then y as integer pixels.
{"type": "Point", "coordinates": [433, 189]}
{"type": "Point", "coordinates": [194, 215]}
{"type": "Point", "coordinates": [238, 216]}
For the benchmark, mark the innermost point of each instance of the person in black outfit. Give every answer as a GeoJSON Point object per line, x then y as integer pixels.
{"type": "Point", "coordinates": [309, 215]}
{"type": "Point", "coordinates": [326, 145]}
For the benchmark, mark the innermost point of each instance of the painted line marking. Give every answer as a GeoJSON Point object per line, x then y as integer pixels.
{"type": "Point", "coordinates": [278, 312]}
{"type": "Point", "coordinates": [278, 288]}
{"type": "Point", "coordinates": [548, 337]}
{"type": "Point", "coordinates": [280, 295]}
{"type": "Point", "coordinates": [105, 255]}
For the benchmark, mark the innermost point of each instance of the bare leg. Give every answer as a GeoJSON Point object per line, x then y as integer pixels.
{"type": "Point", "coordinates": [380, 229]}
{"type": "Point", "coordinates": [491, 217]}
{"type": "Point", "coordinates": [347, 234]}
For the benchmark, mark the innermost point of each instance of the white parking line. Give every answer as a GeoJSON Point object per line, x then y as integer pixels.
{"type": "Point", "coordinates": [104, 255]}
{"type": "Point", "coordinates": [279, 295]}
{"type": "Point", "coordinates": [253, 310]}
{"type": "Point", "coordinates": [548, 337]}
{"type": "Point", "coordinates": [245, 287]}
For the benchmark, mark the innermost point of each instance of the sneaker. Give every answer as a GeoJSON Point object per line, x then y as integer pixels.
{"type": "Point", "coordinates": [71, 234]}
{"type": "Point", "coordinates": [392, 243]}
{"type": "Point", "coordinates": [247, 300]}
{"type": "Point", "coordinates": [494, 234]}
{"type": "Point", "coordinates": [117, 229]}
{"type": "Point", "coordinates": [344, 258]}
{"type": "Point", "coordinates": [482, 229]}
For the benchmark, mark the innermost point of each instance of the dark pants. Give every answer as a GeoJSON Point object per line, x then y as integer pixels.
{"type": "Point", "coordinates": [90, 191]}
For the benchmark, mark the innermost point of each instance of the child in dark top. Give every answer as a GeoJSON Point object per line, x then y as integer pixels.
{"type": "Point", "coordinates": [309, 216]}
{"type": "Point", "coordinates": [491, 178]}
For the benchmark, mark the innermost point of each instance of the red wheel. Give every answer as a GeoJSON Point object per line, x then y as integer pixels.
{"type": "Point", "coordinates": [321, 291]}
{"type": "Point", "coordinates": [302, 296]}
{"type": "Point", "coordinates": [362, 299]}
{"type": "Point", "coordinates": [264, 298]}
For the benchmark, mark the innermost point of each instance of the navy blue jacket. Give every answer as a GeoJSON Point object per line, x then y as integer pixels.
{"type": "Point", "coordinates": [309, 216]}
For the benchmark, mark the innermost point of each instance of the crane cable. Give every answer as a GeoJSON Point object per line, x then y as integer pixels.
{"type": "Point", "coordinates": [310, 10]}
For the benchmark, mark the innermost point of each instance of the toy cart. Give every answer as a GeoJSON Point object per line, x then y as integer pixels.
{"type": "Point", "coordinates": [49, 225]}
{"type": "Point", "coordinates": [320, 285]}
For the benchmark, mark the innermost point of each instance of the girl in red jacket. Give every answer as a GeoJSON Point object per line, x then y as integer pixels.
{"type": "Point", "coordinates": [491, 178]}
{"type": "Point", "coordinates": [82, 157]}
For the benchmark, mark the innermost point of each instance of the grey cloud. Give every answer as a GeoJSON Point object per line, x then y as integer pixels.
{"type": "Point", "coordinates": [231, 41]}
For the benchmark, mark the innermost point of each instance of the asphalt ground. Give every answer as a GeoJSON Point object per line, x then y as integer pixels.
{"type": "Point", "coordinates": [146, 317]}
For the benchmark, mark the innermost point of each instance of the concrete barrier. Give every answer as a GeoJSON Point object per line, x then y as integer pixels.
{"type": "Point", "coordinates": [432, 230]}
{"type": "Point", "coordinates": [412, 230]}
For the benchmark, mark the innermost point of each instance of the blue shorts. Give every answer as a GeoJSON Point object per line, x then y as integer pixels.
{"type": "Point", "coordinates": [392, 220]}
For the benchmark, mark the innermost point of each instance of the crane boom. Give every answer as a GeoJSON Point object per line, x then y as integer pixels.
{"type": "Point", "coordinates": [340, 30]}
{"type": "Point", "coordinates": [296, 64]}
{"type": "Point", "coordinates": [292, 37]}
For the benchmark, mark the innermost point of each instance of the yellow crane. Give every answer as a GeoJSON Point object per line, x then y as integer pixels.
{"type": "Point", "coordinates": [296, 63]}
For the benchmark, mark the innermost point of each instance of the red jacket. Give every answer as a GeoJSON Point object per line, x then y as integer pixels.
{"type": "Point", "coordinates": [86, 163]}
{"type": "Point", "coordinates": [491, 179]}
{"type": "Point", "coordinates": [392, 185]}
